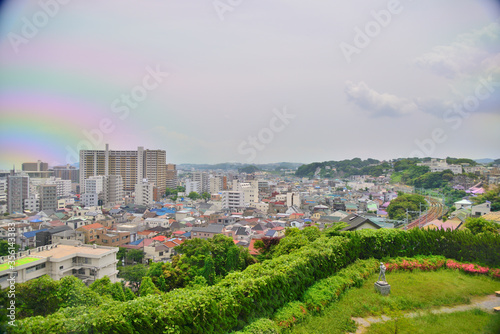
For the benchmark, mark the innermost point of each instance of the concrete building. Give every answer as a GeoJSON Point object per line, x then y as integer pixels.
{"type": "Point", "coordinates": [437, 165]}
{"type": "Point", "coordinates": [113, 190]}
{"type": "Point", "coordinates": [171, 176]}
{"type": "Point", "coordinates": [232, 200]}
{"type": "Point", "coordinates": [18, 189]}
{"type": "Point", "coordinates": [217, 184]}
{"type": "Point", "coordinates": [35, 166]}
{"type": "Point", "coordinates": [144, 193]}
{"type": "Point", "coordinates": [67, 172]}
{"type": "Point", "coordinates": [32, 203]}
{"type": "Point", "coordinates": [132, 166]}
{"type": "Point", "coordinates": [3, 190]}
{"type": "Point", "coordinates": [86, 262]}
{"type": "Point", "coordinates": [293, 199]}
{"type": "Point", "coordinates": [202, 179]}
{"type": "Point", "coordinates": [192, 186]}
{"type": "Point", "coordinates": [48, 196]}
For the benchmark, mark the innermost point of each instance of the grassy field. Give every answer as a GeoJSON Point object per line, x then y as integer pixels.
{"type": "Point", "coordinates": [409, 292]}
{"type": "Point", "coordinates": [472, 321]}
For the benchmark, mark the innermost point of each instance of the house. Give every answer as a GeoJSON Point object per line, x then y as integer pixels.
{"type": "Point", "coordinates": [206, 232]}
{"type": "Point", "coordinates": [481, 209]}
{"type": "Point", "coordinates": [358, 223]}
{"type": "Point", "coordinates": [463, 204]}
{"type": "Point", "coordinates": [46, 237]}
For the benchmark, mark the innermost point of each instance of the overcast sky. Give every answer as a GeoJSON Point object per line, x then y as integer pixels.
{"type": "Point", "coordinates": [250, 81]}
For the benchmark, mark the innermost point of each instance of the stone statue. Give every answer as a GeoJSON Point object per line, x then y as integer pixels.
{"type": "Point", "coordinates": [381, 276]}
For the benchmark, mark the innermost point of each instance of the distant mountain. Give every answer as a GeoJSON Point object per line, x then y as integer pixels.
{"type": "Point", "coordinates": [484, 161]}
{"type": "Point", "coordinates": [238, 165]}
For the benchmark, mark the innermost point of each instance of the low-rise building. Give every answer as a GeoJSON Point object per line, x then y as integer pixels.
{"type": "Point", "coordinates": [86, 262]}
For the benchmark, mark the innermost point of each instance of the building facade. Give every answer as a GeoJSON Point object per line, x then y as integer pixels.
{"type": "Point", "coordinates": [132, 166]}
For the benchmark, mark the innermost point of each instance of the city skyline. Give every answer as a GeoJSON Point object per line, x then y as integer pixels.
{"type": "Point", "coordinates": [250, 82]}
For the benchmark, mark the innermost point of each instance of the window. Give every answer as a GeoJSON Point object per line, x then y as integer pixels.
{"type": "Point", "coordinates": [161, 253]}
{"type": "Point", "coordinates": [105, 241]}
{"type": "Point", "coordinates": [61, 267]}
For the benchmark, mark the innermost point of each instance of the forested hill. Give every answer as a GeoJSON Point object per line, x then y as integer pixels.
{"type": "Point", "coordinates": [354, 166]}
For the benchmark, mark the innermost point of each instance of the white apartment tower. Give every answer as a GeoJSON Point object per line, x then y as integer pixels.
{"type": "Point", "coordinates": [144, 193]}
{"type": "Point", "coordinates": [132, 166]}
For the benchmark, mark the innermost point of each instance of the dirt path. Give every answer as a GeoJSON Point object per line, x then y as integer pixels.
{"type": "Point", "coordinates": [486, 303]}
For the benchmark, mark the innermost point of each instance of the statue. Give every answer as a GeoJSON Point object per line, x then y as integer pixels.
{"type": "Point", "coordinates": [381, 276]}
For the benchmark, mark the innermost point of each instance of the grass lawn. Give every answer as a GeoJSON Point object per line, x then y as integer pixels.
{"type": "Point", "coordinates": [19, 262]}
{"type": "Point", "coordinates": [410, 291]}
{"type": "Point", "coordinates": [472, 321]}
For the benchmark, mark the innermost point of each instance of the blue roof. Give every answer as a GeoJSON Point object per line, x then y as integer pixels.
{"type": "Point", "coordinates": [135, 243]}
{"type": "Point", "coordinates": [187, 234]}
{"type": "Point", "coordinates": [31, 234]}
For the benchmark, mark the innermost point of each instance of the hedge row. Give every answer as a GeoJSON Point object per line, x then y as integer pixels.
{"type": "Point", "coordinates": [459, 245]}
{"type": "Point", "coordinates": [324, 292]}
{"type": "Point", "coordinates": [261, 289]}
{"type": "Point", "coordinates": [238, 299]}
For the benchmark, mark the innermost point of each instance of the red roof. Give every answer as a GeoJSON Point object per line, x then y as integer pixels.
{"type": "Point", "coordinates": [91, 226]}
{"type": "Point", "coordinates": [251, 248]}
{"type": "Point", "coordinates": [160, 238]}
{"type": "Point", "coordinates": [279, 228]}
{"type": "Point", "coordinates": [178, 232]}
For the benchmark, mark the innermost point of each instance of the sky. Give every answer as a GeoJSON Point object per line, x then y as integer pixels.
{"type": "Point", "coordinates": [249, 81]}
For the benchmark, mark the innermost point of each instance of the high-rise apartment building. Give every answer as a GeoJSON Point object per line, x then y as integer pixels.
{"type": "Point", "coordinates": [171, 176]}
{"type": "Point", "coordinates": [108, 189]}
{"type": "Point", "coordinates": [144, 193]}
{"type": "Point", "coordinates": [3, 190]}
{"type": "Point", "coordinates": [132, 166]}
{"type": "Point", "coordinates": [67, 172]}
{"type": "Point", "coordinates": [202, 179]}
{"type": "Point", "coordinates": [18, 189]}
{"type": "Point", "coordinates": [48, 196]}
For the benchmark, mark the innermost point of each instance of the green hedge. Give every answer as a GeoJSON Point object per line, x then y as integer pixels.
{"type": "Point", "coordinates": [263, 288]}
{"type": "Point", "coordinates": [324, 292]}
{"type": "Point", "coordinates": [236, 301]}
{"type": "Point", "coordinates": [459, 245]}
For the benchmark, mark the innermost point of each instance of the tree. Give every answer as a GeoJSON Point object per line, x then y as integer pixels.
{"type": "Point", "coordinates": [208, 270]}
{"type": "Point", "coordinates": [136, 255]}
{"type": "Point", "coordinates": [37, 297]}
{"type": "Point", "coordinates": [133, 274]}
{"type": "Point", "coordinates": [5, 249]}
{"type": "Point", "coordinates": [147, 287]}
{"type": "Point", "coordinates": [398, 206]}
{"type": "Point", "coordinates": [73, 292]}
{"type": "Point", "coordinates": [206, 196]}
{"type": "Point", "coordinates": [481, 225]}
{"type": "Point", "coordinates": [194, 195]}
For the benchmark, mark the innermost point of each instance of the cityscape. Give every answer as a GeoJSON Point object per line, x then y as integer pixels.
{"type": "Point", "coordinates": [249, 167]}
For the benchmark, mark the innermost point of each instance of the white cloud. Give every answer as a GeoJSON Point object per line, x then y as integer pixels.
{"type": "Point", "coordinates": [378, 104]}
{"type": "Point", "coordinates": [468, 54]}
